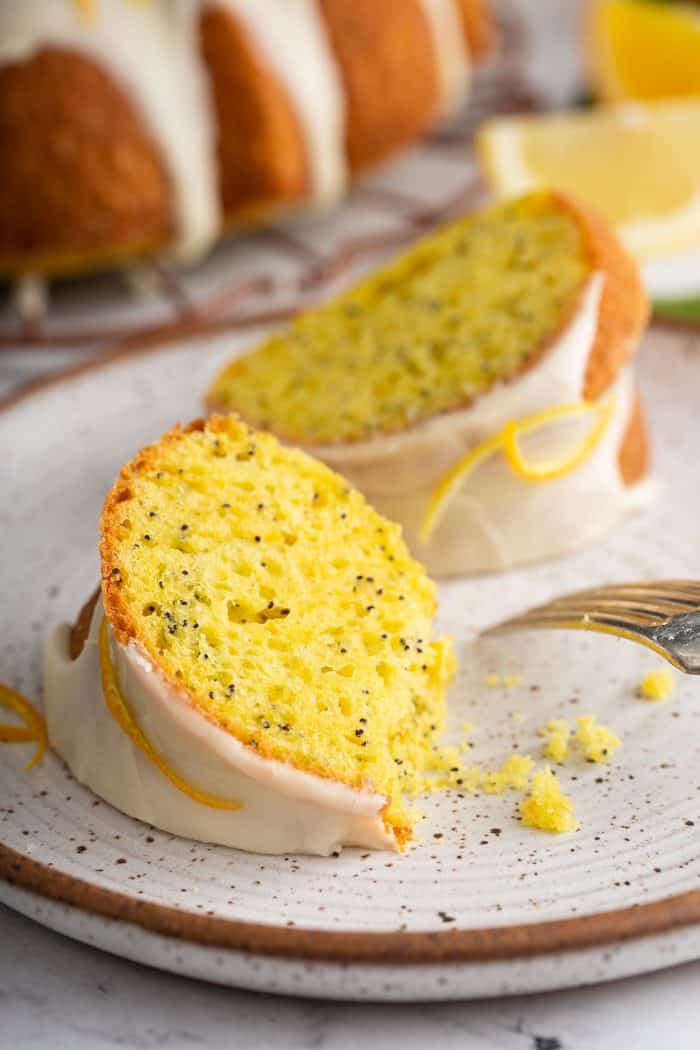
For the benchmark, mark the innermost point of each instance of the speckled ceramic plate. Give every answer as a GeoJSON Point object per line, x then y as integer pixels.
{"type": "Point", "coordinates": [480, 905]}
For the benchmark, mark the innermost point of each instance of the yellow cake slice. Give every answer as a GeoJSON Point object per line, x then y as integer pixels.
{"type": "Point", "coordinates": [260, 669]}
{"type": "Point", "coordinates": [521, 308]}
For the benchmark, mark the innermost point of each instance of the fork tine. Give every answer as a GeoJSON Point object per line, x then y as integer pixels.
{"type": "Point", "coordinates": [657, 610]}
{"type": "Point", "coordinates": [543, 617]}
{"type": "Point", "coordinates": [582, 624]}
{"type": "Point", "coordinates": [572, 607]}
{"type": "Point", "coordinates": [629, 620]}
{"type": "Point", "coordinates": [687, 597]}
{"type": "Point", "coordinates": [638, 611]}
{"type": "Point", "coordinates": [685, 591]}
{"type": "Point", "coordinates": [571, 618]}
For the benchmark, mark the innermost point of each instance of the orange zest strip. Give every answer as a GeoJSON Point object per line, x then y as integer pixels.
{"type": "Point", "coordinates": [556, 468]}
{"type": "Point", "coordinates": [33, 729]}
{"type": "Point", "coordinates": [507, 440]}
{"type": "Point", "coordinates": [118, 708]}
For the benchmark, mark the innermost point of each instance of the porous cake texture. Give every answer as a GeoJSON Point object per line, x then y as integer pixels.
{"type": "Point", "coordinates": [284, 608]}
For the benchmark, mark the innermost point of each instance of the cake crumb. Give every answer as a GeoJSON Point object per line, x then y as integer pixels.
{"type": "Point", "coordinates": [598, 742]}
{"type": "Point", "coordinates": [494, 680]}
{"type": "Point", "coordinates": [513, 775]}
{"type": "Point", "coordinates": [547, 807]}
{"type": "Point", "coordinates": [468, 727]}
{"type": "Point", "coordinates": [556, 746]}
{"type": "Point", "coordinates": [657, 685]}
{"type": "Point", "coordinates": [517, 716]}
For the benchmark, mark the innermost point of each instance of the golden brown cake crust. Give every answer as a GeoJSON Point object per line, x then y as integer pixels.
{"type": "Point", "coordinates": [121, 623]}
{"type": "Point", "coordinates": [624, 306]}
{"type": "Point", "coordinates": [635, 454]}
{"type": "Point", "coordinates": [84, 184]}
{"type": "Point", "coordinates": [261, 153]}
{"type": "Point", "coordinates": [79, 174]}
{"type": "Point", "coordinates": [478, 27]}
{"type": "Point", "coordinates": [389, 69]}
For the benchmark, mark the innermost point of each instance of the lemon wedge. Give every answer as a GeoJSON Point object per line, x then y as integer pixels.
{"type": "Point", "coordinates": [642, 50]}
{"type": "Point", "coordinates": [124, 718]}
{"type": "Point", "coordinates": [34, 727]}
{"type": "Point", "coordinates": [637, 163]}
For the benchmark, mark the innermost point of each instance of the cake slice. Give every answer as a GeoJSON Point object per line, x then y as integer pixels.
{"type": "Point", "coordinates": [527, 306]}
{"type": "Point", "coordinates": [259, 669]}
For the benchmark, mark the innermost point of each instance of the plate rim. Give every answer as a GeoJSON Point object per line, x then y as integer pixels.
{"type": "Point", "coordinates": [398, 947]}
{"type": "Point", "coordinates": [383, 948]}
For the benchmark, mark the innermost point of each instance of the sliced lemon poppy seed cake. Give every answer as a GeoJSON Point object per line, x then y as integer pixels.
{"type": "Point", "coordinates": [525, 313]}
{"type": "Point", "coordinates": [260, 668]}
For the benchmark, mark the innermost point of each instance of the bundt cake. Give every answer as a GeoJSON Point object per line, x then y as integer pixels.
{"type": "Point", "coordinates": [523, 313]}
{"type": "Point", "coordinates": [259, 669]}
{"type": "Point", "coordinates": [127, 127]}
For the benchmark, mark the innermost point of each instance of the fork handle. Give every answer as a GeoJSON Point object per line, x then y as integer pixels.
{"type": "Point", "coordinates": [681, 637]}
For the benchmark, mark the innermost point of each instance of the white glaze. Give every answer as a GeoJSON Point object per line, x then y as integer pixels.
{"type": "Point", "coordinates": [291, 37]}
{"type": "Point", "coordinates": [158, 68]}
{"type": "Point", "coordinates": [284, 809]}
{"type": "Point", "coordinates": [451, 50]}
{"type": "Point", "coordinates": [496, 519]}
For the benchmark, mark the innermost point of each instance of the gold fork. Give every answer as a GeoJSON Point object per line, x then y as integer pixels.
{"type": "Point", "coordinates": [664, 615]}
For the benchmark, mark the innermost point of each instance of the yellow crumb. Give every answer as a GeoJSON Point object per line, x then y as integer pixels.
{"type": "Point", "coordinates": [547, 807]}
{"type": "Point", "coordinates": [468, 727]}
{"type": "Point", "coordinates": [507, 680]}
{"type": "Point", "coordinates": [598, 742]}
{"type": "Point", "coordinates": [556, 746]}
{"type": "Point", "coordinates": [517, 716]}
{"type": "Point", "coordinates": [657, 685]}
{"type": "Point", "coordinates": [513, 775]}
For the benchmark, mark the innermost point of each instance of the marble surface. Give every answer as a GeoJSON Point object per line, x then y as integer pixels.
{"type": "Point", "coordinates": [59, 994]}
